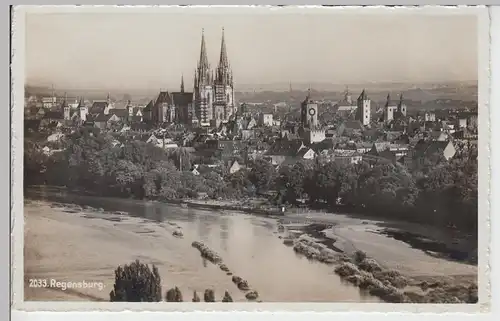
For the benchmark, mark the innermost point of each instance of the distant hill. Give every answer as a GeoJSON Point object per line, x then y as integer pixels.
{"type": "Point", "coordinates": [377, 92]}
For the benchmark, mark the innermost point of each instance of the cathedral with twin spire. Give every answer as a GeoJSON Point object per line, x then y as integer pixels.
{"type": "Point", "coordinates": [213, 92]}
{"type": "Point", "coordinates": [211, 102]}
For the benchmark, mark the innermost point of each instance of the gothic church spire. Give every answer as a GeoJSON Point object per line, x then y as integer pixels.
{"type": "Point", "coordinates": [203, 63]}
{"type": "Point", "coordinates": [223, 62]}
{"type": "Point", "coordinates": [223, 74]}
{"type": "Point", "coordinates": [203, 66]}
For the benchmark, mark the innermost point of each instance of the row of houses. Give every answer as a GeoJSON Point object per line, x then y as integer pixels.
{"type": "Point", "coordinates": [284, 151]}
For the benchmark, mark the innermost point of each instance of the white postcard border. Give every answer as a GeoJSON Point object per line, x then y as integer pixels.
{"type": "Point", "coordinates": [484, 179]}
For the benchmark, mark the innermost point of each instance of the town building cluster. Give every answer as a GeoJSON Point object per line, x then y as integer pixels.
{"type": "Point", "coordinates": [208, 121]}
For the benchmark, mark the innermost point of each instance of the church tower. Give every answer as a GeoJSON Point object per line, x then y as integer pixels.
{"type": "Point", "coordinates": [347, 96]}
{"type": "Point", "coordinates": [83, 110]}
{"type": "Point", "coordinates": [65, 107]}
{"type": "Point", "coordinates": [309, 112]}
{"type": "Point", "coordinates": [130, 111]}
{"type": "Point", "coordinates": [203, 87]}
{"type": "Point", "coordinates": [363, 112]}
{"type": "Point", "coordinates": [388, 110]}
{"type": "Point", "coordinates": [401, 106]}
{"type": "Point", "coordinates": [224, 106]}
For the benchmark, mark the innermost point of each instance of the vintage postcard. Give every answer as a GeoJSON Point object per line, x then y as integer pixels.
{"type": "Point", "coordinates": [272, 158]}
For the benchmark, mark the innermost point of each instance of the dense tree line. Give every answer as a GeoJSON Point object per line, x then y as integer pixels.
{"type": "Point", "coordinates": [93, 162]}
{"type": "Point", "coordinates": [437, 192]}
{"type": "Point", "coordinates": [444, 194]}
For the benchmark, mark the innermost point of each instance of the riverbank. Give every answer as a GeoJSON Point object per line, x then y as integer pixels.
{"type": "Point", "coordinates": [256, 206]}
{"type": "Point", "coordinates": [69, 242]}
{"type": "Point", "coordinates": [252, 206]}
{"type": "Point", "coordinates": [418, 274]}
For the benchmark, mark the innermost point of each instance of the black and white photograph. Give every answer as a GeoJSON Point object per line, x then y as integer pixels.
{"type": "Point", "coordinates": [251, 155]}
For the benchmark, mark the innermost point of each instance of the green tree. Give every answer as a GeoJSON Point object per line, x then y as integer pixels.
{"type": "Point", "coordinates": [136, 282]}
{"type": "Point", "coordinates": [262, 175]}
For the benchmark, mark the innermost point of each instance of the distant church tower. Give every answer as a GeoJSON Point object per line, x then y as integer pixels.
{"type": "Point", "coordinates": [65, 108]}
{"type": "Point", "coordinates": [83, 110]}
{"type": "Point", "coordinates": [202, 94]}
{"type": "Point", "coordinates": [309, 112]}
{"type": "Point", "coordinates": [363, 112]}
{"type": "Point", "coordinates": [347, 96]}
{"type": "Point", "coordinates": [388, 110]}
{"type": "Point", "coordinates": [401, 106]}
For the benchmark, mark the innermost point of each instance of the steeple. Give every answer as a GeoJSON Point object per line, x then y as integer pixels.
{"type": "Point", "coordinates": [362, 96]}
{"type": "Point", "coordinates": [203, 51]}
{"type": "Point", "coordinates": [223, 74]}
{"type": "Point", "coordinates": [203, 66]}
{"type": "Point", "coordinates": [388, 101]}
{"type": "Point", "coordinates": [65, 101]}
{"type": "Point", "coordinates": [81, 104]}
{"type": "Point", "coordinates": [182, 83]}
{"type": "Point", "coordinates": [223, 62]}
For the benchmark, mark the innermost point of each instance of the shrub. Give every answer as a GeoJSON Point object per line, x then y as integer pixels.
{"type": "Point", "coordinates": [346, 269]}
{"type": "Point", "coordinates": [369, 265]}
{"type": "Point", "coordinates": [227, 297]}
{"type": "Point", "coordinates": [359, 256]}
{"type": "Point", "coordinates": [174, 295]}
{"type": "Point", "coordinates": [252, 295]}
{"type": "Point", "coordinates": [196, 298]}
{"type": "Point", "coordinates": [394, 278]}
{"type": "Point", "coordinates": [136, 283]}
{"type": "Point", "coordinates": [209, 295]}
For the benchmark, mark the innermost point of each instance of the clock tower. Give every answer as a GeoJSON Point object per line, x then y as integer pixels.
{"type": "Point", "coordinates": [309, 113]}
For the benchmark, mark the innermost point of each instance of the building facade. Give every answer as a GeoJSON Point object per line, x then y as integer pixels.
{"type": "Point", "coordinates": [363, 112]}
{"type": "Point", "coordinates": [310, 131]}
{"type": "Point", "coordinates": [394, 112]}
{"type": "Point", "coordinates": [213, 93]}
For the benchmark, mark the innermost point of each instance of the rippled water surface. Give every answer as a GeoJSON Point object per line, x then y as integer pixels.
{"type": "Point", "coordinates": [249, 245]}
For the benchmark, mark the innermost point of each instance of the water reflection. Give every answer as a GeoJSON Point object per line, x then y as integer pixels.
{"type": "Point", "coordinates": [224, 232]}
{"type": "Point", "coordinates": [203, 229]}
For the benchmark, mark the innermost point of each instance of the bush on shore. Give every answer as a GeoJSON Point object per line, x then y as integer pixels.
{"type": "Point", "coordinates": [136, 282]}
{"type": "Point", "coordinates": [252, 295]}
{"type": "Point", "coordinates": [173, 295]}
{"type": "Point", "coordinates": [196, 298]}
{"type": "Point", "coordinates": [227, 297]}
{"type": "Point", "coordinates": [209, 295]}
{"type": "Point", "coordinates": [385, 284]}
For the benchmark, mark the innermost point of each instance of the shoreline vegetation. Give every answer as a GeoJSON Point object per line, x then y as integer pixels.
{"type": "Point", "coordinates": [137, 282]}
{"type": "Point", "coordinates": [389, 285]}
{"type": "Point", "coordinates": [437, 193]}
{"type": "Point", "coordinates": [434, 192]}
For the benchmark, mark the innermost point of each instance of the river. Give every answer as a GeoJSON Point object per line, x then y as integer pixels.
{"type": "Point", "coordinates": [81, 238]}
{"type": "Point", "coordinates": [77, 238]}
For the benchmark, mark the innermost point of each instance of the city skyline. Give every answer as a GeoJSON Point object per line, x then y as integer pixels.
{"type": "Point", "coordinates": [130, 52]}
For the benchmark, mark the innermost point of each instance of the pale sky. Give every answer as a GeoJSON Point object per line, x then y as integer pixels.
{"type": "Point", "coordinates": [132, 50]}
